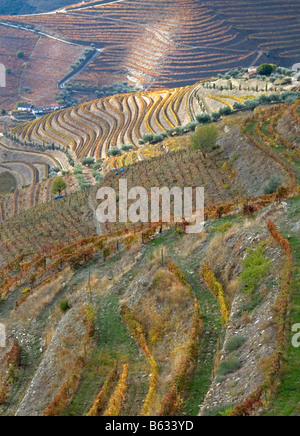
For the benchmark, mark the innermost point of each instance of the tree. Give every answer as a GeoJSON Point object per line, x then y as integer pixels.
{"type": "Point", "coordinates": [272, 185]}
{"type": "Point", "coordinates": [205, 138]}
{"type": "Point", "coordinates": [20, 54]}
{"type": "Point", "coordinates": [58, 186]}
{"type": "Point", "coordinates": [88, 161]}
{"type": "Point", "coordinates": [266, 69]}
{"type": "Point", "coordinates": [203, 118]}
{"type": "Point", "coordinates": [127, 147]}
{"type": "Point", "coordinates": [114, 151]}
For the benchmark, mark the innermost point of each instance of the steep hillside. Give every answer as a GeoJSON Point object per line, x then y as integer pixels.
{"type": "Point", "coordinates": [120, 336]}
{"type": "Point", "coordinates": [92, 129]}
{"type": "Point", "coordinates": [148, 320]}
{"type": "Point", "coordinates": [22, 7]}
{"type": "Point", "coordinates": [171, 43]}
{"type": "Point", "coordinates": [34, 74]}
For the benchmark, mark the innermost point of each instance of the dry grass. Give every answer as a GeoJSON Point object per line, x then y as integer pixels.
{"type": "Point", "coordinates": [264, 365]}
{"type": "Point", "coordinates": [231, 289]}
{"type": "Point", "coordinates": [190, 243]}
{"type": "Point", "coordinates": [165, 313]}
{"type": "Point", "coordinates": [216, 253]}
{"type": "Point", "coordinates": [48, 336]}
{"type": "Point", "coordinates": [40, 298]}
{"type": "Point", "coordinates": [156, 256]}
{"type": "Point", "coordinates": [231, 233]}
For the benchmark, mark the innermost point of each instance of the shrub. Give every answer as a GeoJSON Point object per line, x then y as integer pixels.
{"type": "Point", "coordinates": [58, 186]}
{"type": "Point", "coordinates": [64, 305]}
{"type": "Point", "coordinates": [266, 69]}
{"type": "Point", "coordinates": [191, 127]}
{"type": "Point", "coordinates": [160, 137]}
{"type": "Point", "coordinates": [228, 366]}
{"type": "Point", "coordinates": [215, 116]}
{"type": "Point", "coordinates": [78, 169]}
{"type": "Point", "coordinates": [114, 151]}
{"type": "Point", "coordinates": [203, 118]}
{"type": "Point", "coordinates": [96, 166]}
{"type": "Point", "coordinates": [272, 185]}
{"type": "Point", "coordinates": [20, 54]}
{"type": "Point", "coordinates": [88, 161]}
{"type": "Point", "coordinates": [252, 104]}
{"type": "Point", "coordinates": [235, 342]}
{"type": "Point", "coordinates": [225, 111]}
{"type": "Point", "coordinates": [158, 279]}
{"type": "Point", "coordinates": [256, 268]}
{"type": "Point", "coordinates": [238, 106]}
{"type": "Point", "coordinates": [205, 139]}
{"type": "Point", "coordinates": [84, 185]}
{"type": "Point", "coordinates": [127, 147]}
{"type": "Point", "coordinates": [98, 177]}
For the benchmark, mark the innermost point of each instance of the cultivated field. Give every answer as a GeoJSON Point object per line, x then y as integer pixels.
{"type": "Point", "coordinates": [92, 129]}
{"type": "Point", "coordinates": [175, 42]}
{"type": "Point", "coordinates": [34, 77]}
{"type": "Point", "coordinates": [151, 323]}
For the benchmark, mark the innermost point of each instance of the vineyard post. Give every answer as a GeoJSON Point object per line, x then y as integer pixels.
{"type": "Point", "coordinates": [89, 290]}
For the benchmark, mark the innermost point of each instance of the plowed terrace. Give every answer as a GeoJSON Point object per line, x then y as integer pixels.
{"type": "Point", "coordinates": [174, 43]}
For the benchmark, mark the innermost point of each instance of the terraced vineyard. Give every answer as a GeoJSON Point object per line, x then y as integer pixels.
{"type": "Point", "coordinates": [278, 130]}
{"type": "Point", "coordinates": [273, 28]}
{"type": "Point", "coordinates": [118, 325]}
{"type": "Point", "coordinates": [27, 164]}
{"type": "Point", "coordinates": [143, 318]}
{"type": "Point", "coordinates": [30, 197]}
{"type": "Point", "coordinates": [92, 128]}
{"type": "Point", "coordinates": [175, 42]}
{"type": "Point", "coordinates": [47, 225]}
{"type": "Point", "coordinates": [223, 183]}
{"type": "Point", "coordinates": [11, 41]}
{"type": "Point", "coordinates": [35, 76]}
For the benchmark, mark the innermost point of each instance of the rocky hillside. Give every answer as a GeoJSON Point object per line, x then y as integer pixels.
{"type": "Point", "coordinates": [23, 7]}
{"type": "Point", "coordinates": [148, 320]}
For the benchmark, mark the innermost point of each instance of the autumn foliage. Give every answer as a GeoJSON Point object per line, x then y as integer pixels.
{"type": "Point", "coordinates": [10, 363]}
{"type": "Point", "coordinates": [173, 401]}
{"type": "Point", "coordinates": [217, 289]}
{"type": "Point", "coordinates": [101, 400]}
{"type": "Point", "coordinates": [117, 401]}
{"type": "Point", "coordinates": [66, 392]}
{"type": "Point", "coordinates": [268, 388]}
{"type": "Point", "coordinates": [137, 331]}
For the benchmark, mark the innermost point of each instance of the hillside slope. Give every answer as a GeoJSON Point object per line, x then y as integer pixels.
{"type": "Point", "coordinates": [171, 43]}
{"type": "Point", "coordinates": [111, 319]}
{"type": "Point", "coordinates": [93, 128]}
{"type": "Point", "coordinates": [148, 320]}
{"type": "Point", "coordinates": [22, 7]}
